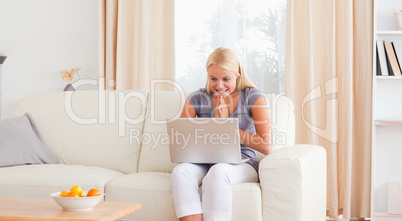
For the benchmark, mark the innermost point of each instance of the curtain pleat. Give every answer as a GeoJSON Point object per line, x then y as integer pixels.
{"type": "Point", "coordinates": [136, 44]}
{"type": "Point", "coordinates": [329, 78]}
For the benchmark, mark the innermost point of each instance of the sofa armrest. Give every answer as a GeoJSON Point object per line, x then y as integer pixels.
{"type": "Point", "coordinates": [294, 183]}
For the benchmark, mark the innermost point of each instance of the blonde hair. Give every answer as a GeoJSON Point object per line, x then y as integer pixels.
{"type": "Point", "coordinates": [227, 59]}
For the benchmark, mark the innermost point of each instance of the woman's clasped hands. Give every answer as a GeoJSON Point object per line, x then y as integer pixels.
{"type": "Point", "coordinates": [221, 110]}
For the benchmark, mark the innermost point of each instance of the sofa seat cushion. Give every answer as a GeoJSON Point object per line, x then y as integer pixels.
{"type": "Point", "coordinates": [38, 181]}
{"type": "Point", "coordinates": [152, 190]}
{"type": "Point", "coordinates": [246, 202]}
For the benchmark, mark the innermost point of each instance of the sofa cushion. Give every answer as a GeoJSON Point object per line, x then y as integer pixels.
{"type": "Point", "coordinates": [281, 112]}
{"type": "Point", "coordinates": [155, 156]}
{"type": "Point", "coordinates": [246, 202]}
{"type": "Point", "coordinates": [152, 190]}
{"type": "Point", "coordinates": [93, 128]}
{"type": "Point", "coordinates": [20, 143]}
{"type": "Point", "coordinates": [38, 181]}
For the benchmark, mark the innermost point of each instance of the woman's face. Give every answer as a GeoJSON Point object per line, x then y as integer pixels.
{"type": "Point", "coordinates": [222, 82]}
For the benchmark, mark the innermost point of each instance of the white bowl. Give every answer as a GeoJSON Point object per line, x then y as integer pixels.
{"type": "Point", "coordinates": [77, 203]}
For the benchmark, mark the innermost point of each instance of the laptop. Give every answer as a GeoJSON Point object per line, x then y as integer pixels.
{"type": "Point", "coordinates": [204, 140]}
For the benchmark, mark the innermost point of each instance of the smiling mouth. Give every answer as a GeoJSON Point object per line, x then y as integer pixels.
{"type": "Point", "coordinates": [221, 91]}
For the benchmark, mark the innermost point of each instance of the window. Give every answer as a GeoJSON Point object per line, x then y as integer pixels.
{"type": "Point", "coordinates": [255, 29]}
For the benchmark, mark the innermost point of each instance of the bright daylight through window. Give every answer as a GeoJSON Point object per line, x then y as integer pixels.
{"type": "Point", "coordinates": [255, 29]}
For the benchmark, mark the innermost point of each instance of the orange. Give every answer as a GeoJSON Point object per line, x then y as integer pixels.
{"type": "Point", "coordinates": [73, 194]}
{"type": "Point", "coordinates": [93, 192]}
{"type": "Point", "coordinates": [77, 189]}
{"type": "Point", "coordinates": [64, 193]}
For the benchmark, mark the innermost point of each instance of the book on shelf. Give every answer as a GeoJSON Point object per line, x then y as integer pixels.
{"type": "Point", "coordinates": [378, 71]}
{"type": "Point", "coordinates": [393, 63]}
{"type": "Point", "coordinates": [382, 68]}
{"type": "Point", "coordinates": [397, 60]}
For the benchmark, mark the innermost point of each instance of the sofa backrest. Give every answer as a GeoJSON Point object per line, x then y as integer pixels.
{"type": "Point", "coordinates": [162, 105]}
{"type": "Point", "coordinates": [90, 127]}
{"type": "Point", "coordinates": [154, 156]}
{"type": "Point", "coordinates": [281, 112]}
{"type": "Point", "coordinates": [125, 130]}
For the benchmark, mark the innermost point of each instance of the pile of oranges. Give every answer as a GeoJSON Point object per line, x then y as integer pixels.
{"type": "Point", "coordinates": [76, 191]}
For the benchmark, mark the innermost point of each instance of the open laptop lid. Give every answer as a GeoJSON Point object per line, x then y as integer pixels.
{"type": "Point", "coordinates": [204, 140]}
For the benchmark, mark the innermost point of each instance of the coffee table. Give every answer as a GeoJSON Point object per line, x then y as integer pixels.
{"type": "Point", "coordinates": [47, 209]}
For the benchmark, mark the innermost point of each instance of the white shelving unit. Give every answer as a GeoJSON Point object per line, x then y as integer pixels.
{"type": "Point", "coordinates": [387, 115]}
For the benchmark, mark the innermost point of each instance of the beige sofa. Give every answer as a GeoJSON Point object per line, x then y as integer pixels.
{"type": "Point", "coordinates": [116, 141]}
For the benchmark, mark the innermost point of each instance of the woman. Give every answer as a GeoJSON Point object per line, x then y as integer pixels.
{"type": "Point", "coordinates": [228, 93]}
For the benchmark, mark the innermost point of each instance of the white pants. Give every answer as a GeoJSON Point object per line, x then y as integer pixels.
{"type": "Point", "coordinates": [216, 180]}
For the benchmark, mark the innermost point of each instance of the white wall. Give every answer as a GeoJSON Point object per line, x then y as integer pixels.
{"type": "Point", "coordinates": [40, 38]}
